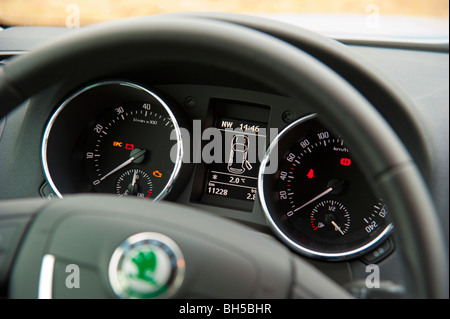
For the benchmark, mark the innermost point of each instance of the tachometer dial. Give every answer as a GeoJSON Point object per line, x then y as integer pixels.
{"type": "Point", "coordinates": [106, 130]}
{"type": "Point", "coordinates": [318, 201]}
{"type": "Point", "coordinates": [129, 137]}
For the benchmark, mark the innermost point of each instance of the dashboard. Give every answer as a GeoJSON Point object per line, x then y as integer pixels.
{"type": "Point", "coordinates": [220, 142]}
{"type": "Point", "coordinates": [120, 138]}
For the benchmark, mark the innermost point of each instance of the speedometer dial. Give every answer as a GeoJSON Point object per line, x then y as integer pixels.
{"type": "Point", "coordinates": [318, 201]}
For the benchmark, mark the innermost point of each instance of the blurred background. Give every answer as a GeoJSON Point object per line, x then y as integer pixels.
{"type": "Point", "coordinates": [55, 12]}
{"type": "Point", "coordinates": [406, 19]}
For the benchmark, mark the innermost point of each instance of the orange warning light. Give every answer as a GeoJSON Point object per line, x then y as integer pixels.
{"type": "Point", "coordinates": [157, 174]}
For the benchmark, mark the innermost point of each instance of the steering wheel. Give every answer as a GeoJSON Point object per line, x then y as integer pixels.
{"type": "Point", "coordinates": [209, 256]}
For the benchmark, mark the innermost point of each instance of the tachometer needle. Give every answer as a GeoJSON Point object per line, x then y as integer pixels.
{"type": "Point", "coordinates": [127, 162]}
{"type": "Point", "coordinates": [137, 156]}
{"type": "Point", "coordinates": [325, 192]}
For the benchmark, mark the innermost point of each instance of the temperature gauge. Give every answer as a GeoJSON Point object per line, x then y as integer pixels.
{"type": "Point", "coordinates": [135, 182]}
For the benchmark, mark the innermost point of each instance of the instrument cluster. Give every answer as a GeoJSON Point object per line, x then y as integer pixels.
{"type": "Point", "coordinates": [122, 138]}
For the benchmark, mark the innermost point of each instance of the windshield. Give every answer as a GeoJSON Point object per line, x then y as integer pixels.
{"type": "Point", "coordinates": [413, 19]}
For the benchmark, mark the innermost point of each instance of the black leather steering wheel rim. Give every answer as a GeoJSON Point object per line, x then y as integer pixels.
{"type": "Point", "coordinates": [276, 64]}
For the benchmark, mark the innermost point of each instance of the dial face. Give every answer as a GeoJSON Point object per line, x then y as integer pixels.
{"type": "Point", "coordinates": [111, 135]}
{"type": "Point", "coordinates": [331, 219]}
{"type": "Point", "coordinates": [127, 141]}
{"type": "Point", "coordinates": [135, 182]}
{"type": "Point", "coordinates": [318, 201]}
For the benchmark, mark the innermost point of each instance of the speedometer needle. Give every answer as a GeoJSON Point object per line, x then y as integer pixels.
{"type": "Point", "coordinates": [325, 192]}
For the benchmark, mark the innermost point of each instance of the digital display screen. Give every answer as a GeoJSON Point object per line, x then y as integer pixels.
{"type": "Point", "coordinates": [234, 141]}
{"type": "Point", "coordinates": [236, 176]}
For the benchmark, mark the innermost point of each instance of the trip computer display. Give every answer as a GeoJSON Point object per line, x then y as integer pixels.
{"type": "Point", "coordinates": [230, 178]}
{"type": "Point", "coordinates": [237, 176]}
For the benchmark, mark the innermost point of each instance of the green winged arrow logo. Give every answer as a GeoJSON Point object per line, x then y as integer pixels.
{"type": "Point", "coordinates": [146, 264]}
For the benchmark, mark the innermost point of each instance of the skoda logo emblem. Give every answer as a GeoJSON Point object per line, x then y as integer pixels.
{"type": "Point", "coordinates": [146, 265]}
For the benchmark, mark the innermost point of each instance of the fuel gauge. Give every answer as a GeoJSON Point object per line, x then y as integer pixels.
{"type": "Point", "coordinates": [330, 219]}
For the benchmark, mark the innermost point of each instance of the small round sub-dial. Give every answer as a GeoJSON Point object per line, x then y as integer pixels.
{"type": "Point", "coordinates": [330, 219]}
{"type": "Point", "coordinates": [135, 182]}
